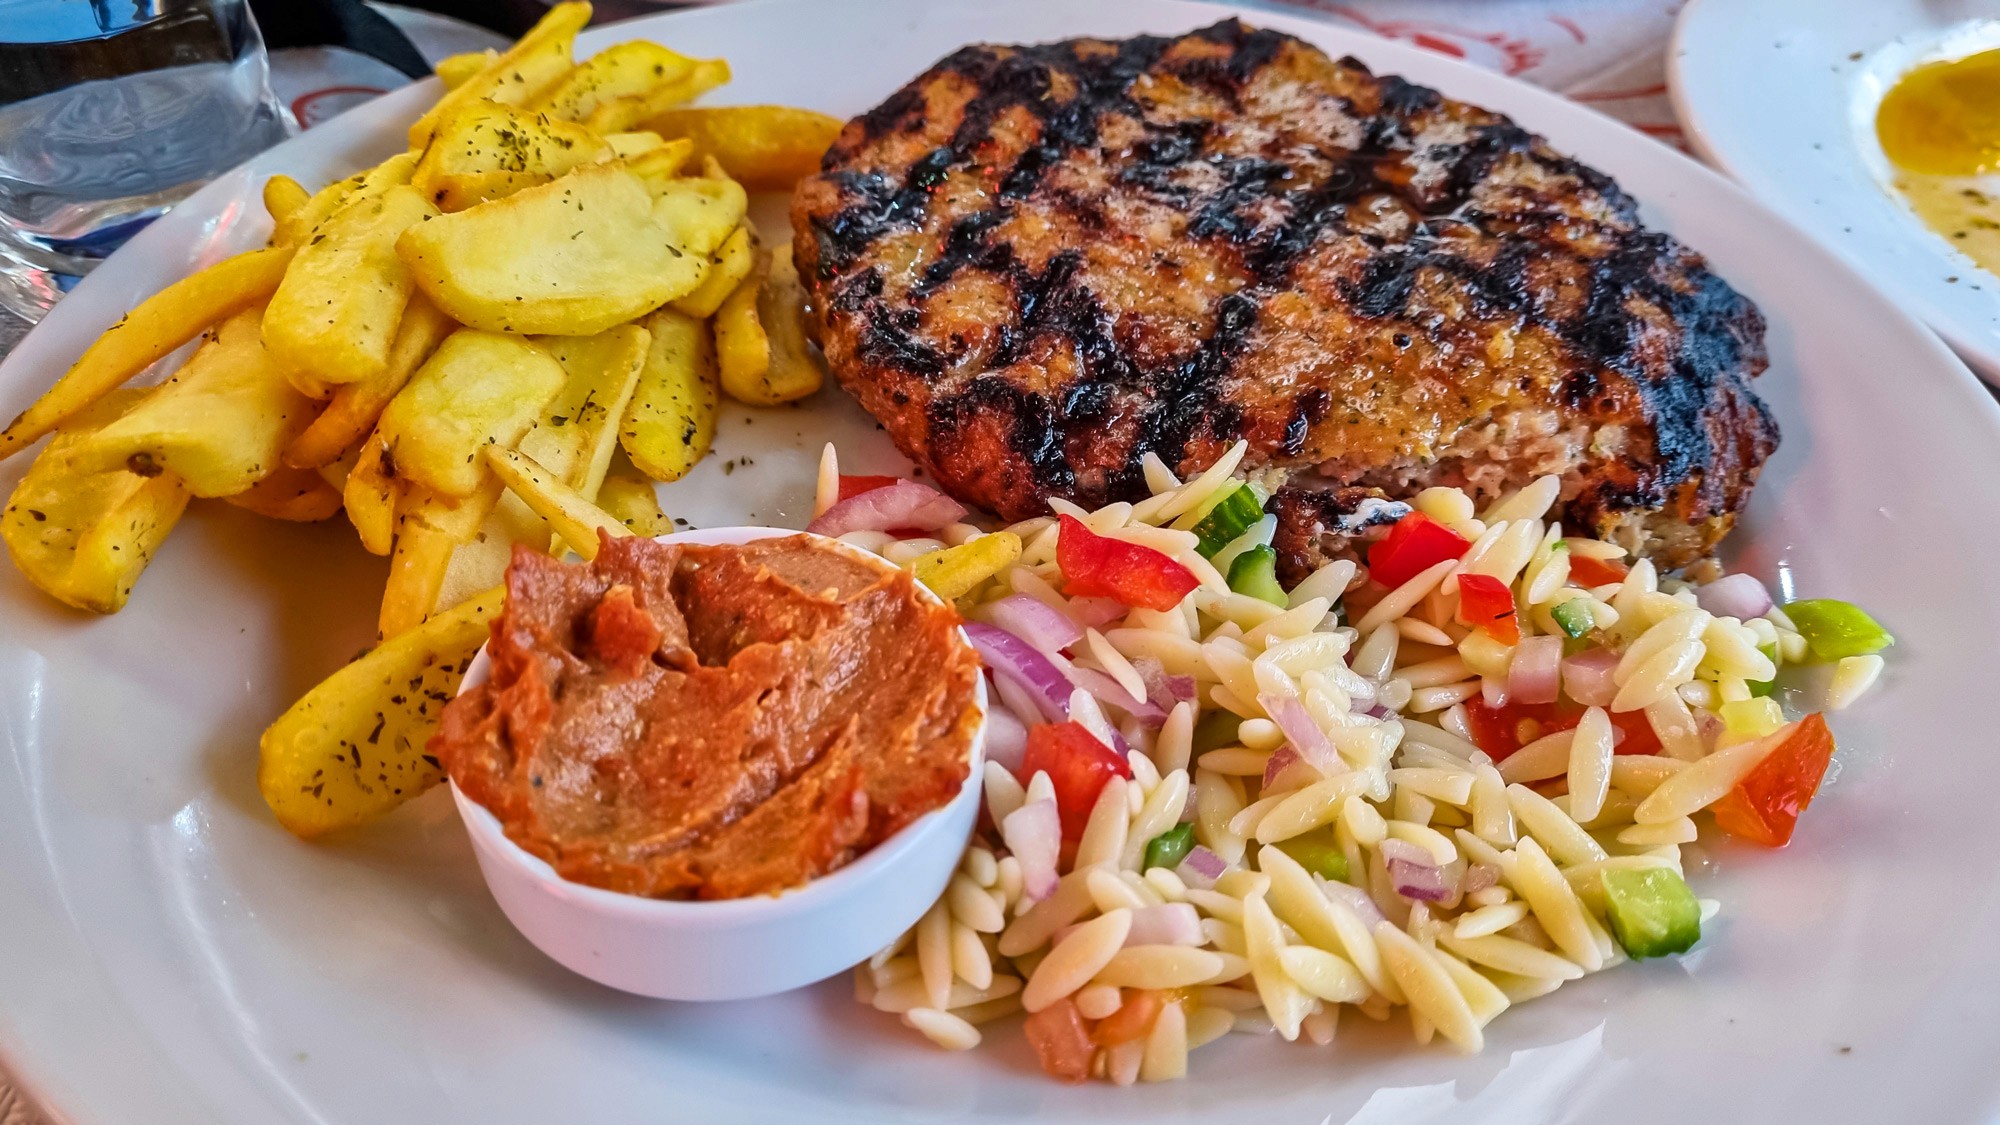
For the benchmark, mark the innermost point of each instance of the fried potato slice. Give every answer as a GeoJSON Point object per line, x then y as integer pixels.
{"type": "Point", "coordinates": [734, 260]}
{"type": "Point", "coordinates": [489, 151]}
{"type": "Point", "coordinates": [334, 316]}
{"type": "Point", "coordinates": [574, 518]}
{"type": "Point", "coordinates": [701, 211]}
{"type": "Point", "coordinates": [518, 75]}
{"type": "Point", "coordinates": [83, 538]}
{"type": "Point", "coordinates": [760, 336]}
{"type": "Point", "coordinates": [572, 258]}
{"type": "Point", "coordinates": [161, 323]}
{"type": "Point", "coordinates": [456, 70]}
{"type": "Point", "coordinates": [627, 145]}
{"type": "Point", "coordinates": [354, 407]}
{"type": "Point", "coordinates": [669, 424]}
{"type": "Point", "coordinates": [765, 147]}
{"type": "Point", "coordinates": [621, 114]}
{"type": "Point", "coordinates": [284, 199]}
{"type": "Point", "coordinates": [286, 493]}
{"type": "Point", "coordinates": [416, 573]}
{"type": "Point", "coordinates": [369, 493]}
{"type": "Point", "coordinates": [354, 747]}
{"type": "Point", "coordinates": [365, 184]}
{"type": "Point", "coordinates": [220, 424]}
{"type": "Point", "coordinates": [477, 389]}
{"type": "Point", "coordinates": [626, 70]}
{"type": "Point", "coordinates": [663, 165]}
{"type": "Point", "coordinates": [630, 498]}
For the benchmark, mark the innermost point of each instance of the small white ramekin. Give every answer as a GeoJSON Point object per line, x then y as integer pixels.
{"type": "Point", "coordinates": [732, 949]}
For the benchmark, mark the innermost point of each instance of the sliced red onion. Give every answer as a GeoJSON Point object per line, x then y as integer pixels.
{"type": "Point", "coordinates": [1300, 730]}
{"type": "Point", "coordinates": [1161, 688]}
{"type": "Point", "coordinates": [1480, 876]}
{"type": "Point", "coordinates": [1016, 659]}
{"type": "Point", "coordinates": [1036, 622]}
{"type": "Point", "coordinates": [1740, 596]}
{"type": "Point", "coordinates": [1096, 612]}
{"type": "Point", "coordinates": [1033, 834]}
{"type": "Point", "coordinates": [1283, 758]}
{"type": "Point", "coordinates": [1534, 675]}
{"type": "Point", "coordinates": [1352, 896]}
{"type": "Point", "coordinates": [1201, 868]}
{"type": "Point", "coordinates": [1587, 677]}
{"type": "Point", "coordinates": [1107, 690]}
{"type": "Point", "coordinates": [1006, 739]}
{"type": "Point", "coordinates": [1173, 923]}
{"type": "Point", "coordinates": [1424, 882]}
{"type": "Point", "coordinates": [904, 504]}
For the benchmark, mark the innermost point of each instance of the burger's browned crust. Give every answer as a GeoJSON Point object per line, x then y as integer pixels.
{"type": "Point", "coordinates": [1035, 264]}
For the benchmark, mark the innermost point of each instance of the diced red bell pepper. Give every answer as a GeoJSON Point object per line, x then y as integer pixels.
{"type": "Point", "coordinates": [1502, 730]}
{"type": "Point", "coordinates": [1765, 805]}
{"type": "Point", "coordinates": [1096, 565]}
{"type": "Point", "coordinates": [1485, 602]}
{"type": "Point", "coordinates": [1591, 573]}
{"type": "Point", "coordinates": [1077, 764]}
{"type": "Point", "coordinates": [1061, 1039]}
{"type": "Point", "coordinates": [850, 487]}
{"type": "Point", "coordinates": [1416, 544]}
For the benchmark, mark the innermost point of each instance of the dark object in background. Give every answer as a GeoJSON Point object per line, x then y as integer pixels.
{"type": "Point", "coordinates": [338, 23]}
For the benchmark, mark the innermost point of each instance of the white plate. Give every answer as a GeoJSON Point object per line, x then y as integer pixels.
{"type": "Point", "coordinates": [1781, 95]}
{"type": "Point", "coordinates": [169, 955]}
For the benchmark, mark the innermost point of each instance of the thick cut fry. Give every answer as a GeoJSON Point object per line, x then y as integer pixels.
{"type": "Point", "coordinates": [436, 537]}
{"type": "Point", "coordinates": [765, 147]}
{"type": "Point", "coordinates": [489, 151]}
{"type": "Point", "coordinates": [574, 518]}
{"type": "Point", "coordinates": [578, 432]}
{"type": "Point", "coordinates": [354, 407]}
{"type": "Point", "coordinates": [220, 424]}
{"type": "Point", "coordinates": [284, 201]}
{"type": "Point", "coordinates": [416, 573]}
{"type": "Point", "coordinates": [626, 70]}
{"type": "Point", "coordinates": [734, 260]}
{"type": "Point", "coordinates": [670, 422]}
{"type": "Point", "coordinates": [334, 316]}
{"type": "Point", "coordinates": [369, 493]}
{"type": "Point", "coordinates": [354, 747]}
{"type": "Point", "coordinates": [161, 323]}
{"type": "Point", "coordinates": [518, 75]}
{"type": "Point", "coordinates": [663, 165]}
{"type": "Point", "coordinates": [619, 115]}
{"type": "Point", "coordinates": [365, 184]}
{"type": "Point", "coordinates": [477, 389]}
{"type": "Point", "coordinates": [83, 538]}
{"type": "Point", "coordinates": [793, 372]}
{"type": "Point", "coordinates": [625, 145]}
{"type": "Point", "coordinates": [298, 495]}
{"type": "Point", "coordinates": [570, 258]}
{"type": "Point", "coordinates": [742, 347]}
{"type": "Point", "coordinates": [632, 500]}
{"type": "Point", "coordinates": [701, 211]}
{"type": "Point", "coordinates": [456, 70]}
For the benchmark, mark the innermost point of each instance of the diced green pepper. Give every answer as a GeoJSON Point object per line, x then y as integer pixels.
{"type": "Point", "coordinates": [1317, 852]}
{"type": "Point", "coordinates": [1762, 688]}
{"type": "Point", "coordinates": [1835, 629]}
{"type": "Point", "coordinates": [1574, 617]}
{"type": "Point", "coordinates": [1214, 731]}
{"type": "Point", "coordinates": [1169, 847]}
{"type": "Point", "coordinates": [1231, 517]}
{"type": "Point", "coordinates": [1652, 912]}
{"type": "Point", "coordinates": [1255, 572]}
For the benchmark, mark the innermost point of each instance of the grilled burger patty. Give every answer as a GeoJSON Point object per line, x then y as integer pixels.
{"type": "Point", "coordinates": [1033, 265]}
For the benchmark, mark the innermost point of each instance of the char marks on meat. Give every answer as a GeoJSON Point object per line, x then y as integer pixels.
{"type": "Point", "coordinates": [1036, 264]}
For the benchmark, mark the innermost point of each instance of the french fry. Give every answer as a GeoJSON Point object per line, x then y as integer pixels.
{"type": "Point", "coordinates": [627, 145]}
{"type": "Point", "coordinates": [365, 184]}
{"type": "Point", "coordinates": [764, 147]}
{"type": "Point", "coordinates": [669, 424]}
{"type": "Point", "coordinates": [220, 423]}
{"type": "Point", "coordinates": [284, 200]}
{"type": "Point", "coordinates": [488, 151]}
{"type": "Point", "coordinates": [734, 260]}
{"type": "Point", "coordinates": [477, 389]}
{"type": "Point", "coordinates": [626, 70]}
{"type": "Point", "coordinates": [456, 70]}
{"type": "Point", "coordinates": [701, 212]}
{"type": "Point", "coordinates": [369, 493]}
{"type": "Point", "coordinates": [520, 72]}
{"type": "Point", "coordinates": [572, 258]}
{"type": "Point", "coordinates": [663, 165]}
{"type": "Point", "coordinates": [354, 407]}
{"type": "Point", "coordinates": [162, 322]}
{"type": "Point", "coordinates": [416, 573]}
{"type": "Point", "coordinates": [793, 373]}
{"type": "Point", "coordinates": [84, 538]}
{"type": "Point", "coordinates": [632, 500]}
{"type": "Point", "coordinates": [742, 347]}
{"type": "Point", "coordinates": [286, 493]}
{"type": "Point", "coordinates": [621, 114]}
{"type": "Point", "coordinates": [334, 316]}
{"type": "Point", "coordinates": [579, 430]}
{"type": "Point", "coordinates": [354, 747]}
{"type": "Point", "coordinates": [574, 518]}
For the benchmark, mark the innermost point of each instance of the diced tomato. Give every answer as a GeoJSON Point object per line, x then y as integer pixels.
{"type": "Point", "coordinates": [1077, 763]}
{"type": "Point", "coordinates": [1502, 730]}
{"type": "Point", "coordinates": [1061, 1040]}
{"type": "Point", "coordinates": [1592, 573]}
{"type": "Point", "coordinates": [850, 487]}
{"type": "Point", "coordinates": [1485, 602]}
{"type": "Point", "coordinates": [1098, 565]}
{"type": "Point", "coordinates": [1765, 805]}
{"type": "Point", "coordinates": [1414, 545]}
{"type": "Point", "coordinates": [1133, 1019]}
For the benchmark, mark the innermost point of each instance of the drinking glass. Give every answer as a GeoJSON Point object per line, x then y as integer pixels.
{"type": "Point", "coordinates": [112, 111]}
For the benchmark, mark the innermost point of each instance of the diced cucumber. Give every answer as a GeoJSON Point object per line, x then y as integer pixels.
{"type": "Point", "coordinates": [1169, 847]}
{"type": "Point", "coordinates": [1652, 912]}
{"type": "Point", "coordinates": [1255, 572]}
{"type": "Point", "coordinates": [1231, 517]}
{"type": "Point", "coordinates": [1573, 617]}
{"type": "Point", "coordinates": [1317, 852]}
{"type": "Point", "coordinates": [1834, 629]}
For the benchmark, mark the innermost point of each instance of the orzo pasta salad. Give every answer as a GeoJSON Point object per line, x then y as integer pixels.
{"type": "Point", "coordinates": [1434, 783]}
